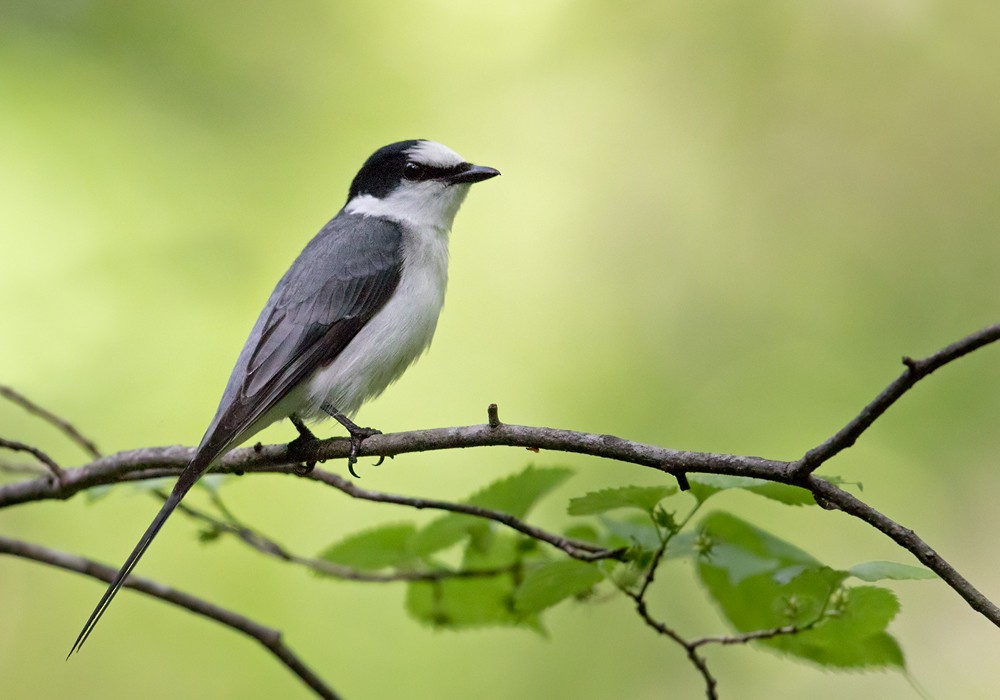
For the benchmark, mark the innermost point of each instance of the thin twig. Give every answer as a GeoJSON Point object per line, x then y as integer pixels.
{"type": "Point", "coordinates": [639, 598]}
{"type": "Point", "coordinates": [662, 549]}
{"type": "Point", "coordinates": [696, 659]}
{"type": "Point", "coordinates": [578, 549]}
{"type": "Point", "coordinates": [914, 372]}
{"type": "Point", "coordinates": [266, 636]}
{"type": "Point", "coordinates": [782, 631]}
{"type": "Point", "coordinates": [50, 464]}
{"type": "Point", "coordinates": [266, 545]}
{"type": "Point", "coordinates": [728, 639]}
{"type": "Point", "coordinates": [62, 424]}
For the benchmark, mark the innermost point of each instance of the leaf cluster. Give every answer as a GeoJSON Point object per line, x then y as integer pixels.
{"type": "Point", "coordinates": [468, 572]}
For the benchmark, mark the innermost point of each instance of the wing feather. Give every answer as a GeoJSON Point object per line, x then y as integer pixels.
{"type": "Point", "coordinates": [342, 278]}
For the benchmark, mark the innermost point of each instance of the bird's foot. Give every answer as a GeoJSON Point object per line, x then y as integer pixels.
{"type": "Point", "coordinates": [303, 448]}
{"type": "Point", "coordinates": [359, 435]}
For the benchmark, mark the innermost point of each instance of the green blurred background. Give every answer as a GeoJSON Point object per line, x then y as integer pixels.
{"type": "Point", "coordinates": [719, 227]}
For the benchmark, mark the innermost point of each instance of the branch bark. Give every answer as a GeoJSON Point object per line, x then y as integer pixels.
{"type": "Point", "coordinates": [149, 463]}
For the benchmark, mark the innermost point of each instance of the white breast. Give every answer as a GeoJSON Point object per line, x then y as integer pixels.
{"type": "Point", "coordinates": [396, 336]}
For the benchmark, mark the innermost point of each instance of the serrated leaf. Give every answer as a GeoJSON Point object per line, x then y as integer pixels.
{"type": "Point", "coordinates": [704, 486]}
{"type": "Point", "coordinates": [642, 497]}
{"type": "Point", "coordinates": [551, 583]}
{"type": "Point", "coordinates": [728, 530]}
{"type": "Point", "coordinates": [853, 637]}
{"type": "Point", "coordinates": [378, 548]}
{"type": "Point", "coordinates": [880, 570]}
{"type": "Point", "coordinates": [761, 582]}
{"type": "Point", "coordinates": [516, 494]}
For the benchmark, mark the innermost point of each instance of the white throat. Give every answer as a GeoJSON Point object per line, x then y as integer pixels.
{"type": "Point", "coordinates": [418, 204]}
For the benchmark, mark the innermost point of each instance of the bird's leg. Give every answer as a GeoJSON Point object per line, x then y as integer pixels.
{"type": "Point", "coordinates": [358, 434]}
{"type": "Point", "coordinates": [302, 443]}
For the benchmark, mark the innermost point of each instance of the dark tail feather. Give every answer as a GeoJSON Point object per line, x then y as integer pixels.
{"type": "Point", "coordinates": [184, 483]}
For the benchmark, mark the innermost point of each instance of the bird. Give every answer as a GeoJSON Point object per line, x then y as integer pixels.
{"type": "Point", "coordinates": [356, 308]}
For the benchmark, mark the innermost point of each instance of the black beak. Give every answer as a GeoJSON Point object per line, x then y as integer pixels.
{"type": "Point", "coordinates": [474, 173]}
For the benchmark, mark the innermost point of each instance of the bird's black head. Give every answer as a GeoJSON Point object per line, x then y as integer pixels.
{"type": "Point", "coordinates": [413, 161]}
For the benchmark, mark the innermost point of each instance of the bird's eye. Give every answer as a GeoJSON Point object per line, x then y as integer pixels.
{"type": "Point", "coordinates": [413, 171]}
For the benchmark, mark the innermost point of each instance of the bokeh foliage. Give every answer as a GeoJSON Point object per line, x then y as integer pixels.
{"type": "Point", "coordinates": [719, 226]}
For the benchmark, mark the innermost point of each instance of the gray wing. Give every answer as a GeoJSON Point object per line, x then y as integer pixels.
{"type": "Point", "coordinates": [339, 281]}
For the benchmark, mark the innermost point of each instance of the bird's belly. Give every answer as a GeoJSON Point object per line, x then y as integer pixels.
{"type": "Point", "coordinates": [382, 350]}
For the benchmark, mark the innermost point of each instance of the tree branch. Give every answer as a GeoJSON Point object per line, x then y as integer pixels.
{"type": "Point", "coordinates": [266, 636]}
{"type": "Point", "coordinates": [914, 372]}
{"type": "Point", "coordinates": [158, 462]}
{"type": "Point", "coordinates": [825, 491]}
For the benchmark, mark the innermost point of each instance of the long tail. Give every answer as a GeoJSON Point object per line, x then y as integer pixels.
{"type": "Point", "coordinates": [188, 477]}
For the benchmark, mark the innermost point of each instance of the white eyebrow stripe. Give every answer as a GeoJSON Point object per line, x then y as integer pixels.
{"type": "Point", "coordinates": [434, 154]}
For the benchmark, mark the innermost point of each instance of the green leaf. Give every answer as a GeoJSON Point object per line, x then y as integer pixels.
{"type": "Point", "coordinates": [853, 634]}
{"type": "Point", "coordinates": [515, 495]}
{"type": "Point", "coordinates": [496, 550]}
{"type": "Point", "coordinates": [682, 545]}
{"type": "Point", "coordinates": [761, 582]}
{"type": "Point", "coordinates": [783, 493]}
{"type": "Point", "coordinates": [586, 533]}
{"type": "Point", "coordinates": [378, 548]}
{"type": "Point", "coordinates": [551, 583]}
{"type": "Point", "coordinates": [738, 538]}
{"type": "Point", "coordinates": [444, 532]}
{"type": "Point", "coordinates": [880, 570]}
{"type": "Point", "coordinates": [704, 486]}
{"type": "Point", "coordinates": [633, 531]}
{"type": "Point", "coordinates": [461, 603]}
{"type": "Point", "coordinates": [642, 497]}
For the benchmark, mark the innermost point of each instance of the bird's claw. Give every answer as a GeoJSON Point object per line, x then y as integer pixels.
{"type": "Point", "coordinates": [357, 437]}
